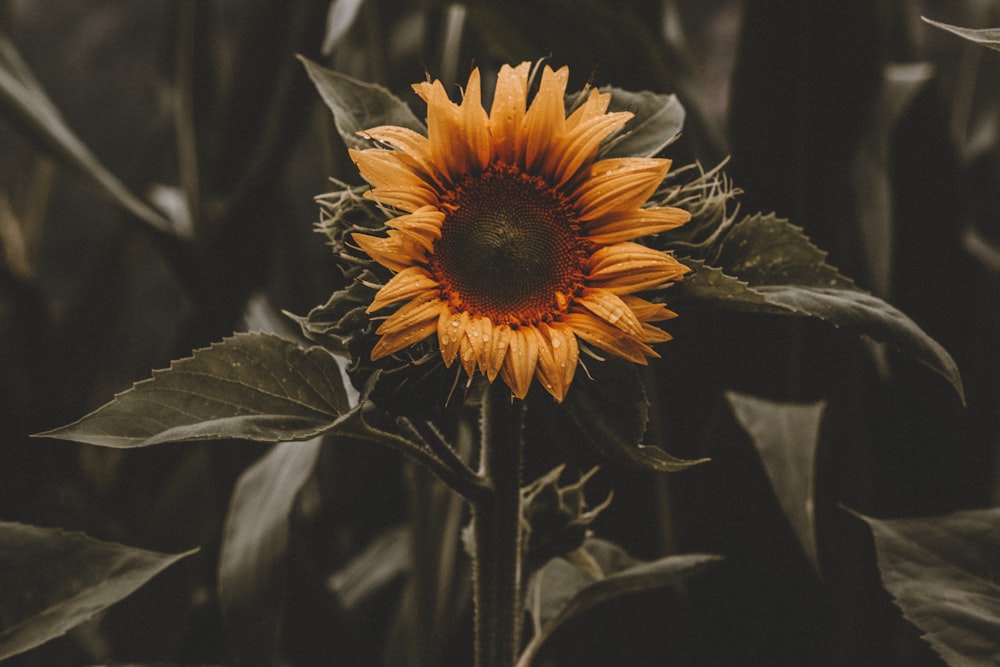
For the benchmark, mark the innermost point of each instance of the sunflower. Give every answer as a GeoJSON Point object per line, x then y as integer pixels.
{"type": "Point", "coordinates": [514, 239]}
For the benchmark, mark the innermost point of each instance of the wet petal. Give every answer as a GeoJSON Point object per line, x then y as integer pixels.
{"type": "Point", "coordinates": [423, 226]}
{"type": "Point", "coordinates": [618, 226]}
{"type": "Point", "coordinates": [498, 350]}
{"type": "Point", "coordinates": [647, 311]}
{"type": "Point", "coordinates": [475, 350]}
{"type": "Point", "coordinates": [386, 168]}
{"type": "Point", "coordinates": [475, 126]}
{"type": "Point", "coordinates": [451, 331]}
{"type": "Point", "coordinates": [410, 324]}
{"type": "Point", "coordinates": [395, 252]}
{"type": "Point", "coordinates": [510, 100]}
{"type": "Point", "coordinates": [411, 283]}
{"type": "Point", "coordinates": [579, 146]}
{"type": "Point", "coordinates": [619, 184]}
{"type": "Point", "coordinates": [610, 308]}
{"type": "Point", "coordinates": [629, 267]}
{"type": "Point", "coordinates": [609, 338]}
{"type": "Point", "coordinates": [519, 363]}
{"type": "Point", "coordinates": [557, 357]}
{"type": "Point", "coordinates": [410, 143]}
{"type": "Point", "coordinates": [545, 119]}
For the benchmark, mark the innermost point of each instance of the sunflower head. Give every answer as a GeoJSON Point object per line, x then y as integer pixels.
{"type": "Point", "coordinates": [514, 240]}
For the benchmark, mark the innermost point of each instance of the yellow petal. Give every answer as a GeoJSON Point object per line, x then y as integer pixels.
{"type": "Point", "coordinates": [411, 283]}
{"type": "Point", "coordinates": [651, 334]}
{"type": "Point", "coordinates": [391, 169]}
{"type": "Point", "coordinates": [618, 226]}
{"type": "Point", "coordinates": [619, 184]}
{"type": "Point", "coordinates": [475, 350]}
{"type": "Point", "coordinates": [498, 350]}
{"type": "Point", "coordinates": [445, 131]}
{"type": "Point", "coordinates": [593, 107]}
{"type": "Point", "coordinates": [611, 339]}
{"type": "Point", "coordinates": [519, 363]}
{"type": "Point", "coordinates": [451, 331]}
{"type": "Point", "coordinates": [610, 308]}
{"type": "Point", "coordinates": [579, 146]}
{"type": "Point", "coordinates": [411, 143]}
{"type": "Point", "coordinates": [510, 98]}
{"type": "Point", "coordinates": [423, 226]}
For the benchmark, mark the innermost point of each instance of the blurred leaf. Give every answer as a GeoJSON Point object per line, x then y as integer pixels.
{"type": "Point", "coordinates": [942, 572]}
{"type": "Point", "coordinates": [25, 104]}
{"type": "Point", "coordinates": [611, 412]}
{"type": "Point", "coordinates": [657, 121]}
{"type": "Point", "coordinates": [389, 556]}
{"type": "Point", "coordinates": [339, 20]}
{"type": "Point", "coordinates": [766, 265]}
{"type": "Point", "coordinates": [255, 548]}
{"type": "Point", "coordinates": [988, 37]}
{"type": "Point", "coordinates": [54, 580]}
{"type": "Point", "coordinates": [562, 589]}
{"type": "Point", "coordinates": [359, 106]}
{"type": "Point", "coordinates": [251, 387]}
{"type": "Point", "coordinates": [786, 437]}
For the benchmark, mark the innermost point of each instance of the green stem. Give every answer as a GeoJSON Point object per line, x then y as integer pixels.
{"type": "Point", "coordinates": [497, 529]}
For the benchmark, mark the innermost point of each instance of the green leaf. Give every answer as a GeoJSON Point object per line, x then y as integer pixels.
{"type": "Point", "coordinates": [565, 588]}
{"type": "Point", "coordinates": [988, 37]}
{"type": "Point", "coordinates": [255, 548]}
{"type": "Point", "coordinates": [251, 386]}
{"type": "Point", "coordinates": [766, 265]}
{"type": "Point", "coordinates": [611, 413]}
{"type": "Point", "coordinates": [942, 572]}
{"type": "Point", "coordinates": [28, 107]}
{"type": "Point", "coordinates": [786, 436]}
{"type": "Point", "coordinates": [359, 106]}
{"type": "Point", "coordinates": [657, 121]}
{"type": "Point", "coordinates": [54, 580]}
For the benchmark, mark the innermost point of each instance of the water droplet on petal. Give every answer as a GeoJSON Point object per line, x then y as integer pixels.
{"type": "Point", "coordinates": [556, 342]}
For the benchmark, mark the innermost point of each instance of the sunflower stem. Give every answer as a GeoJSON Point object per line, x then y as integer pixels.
{"type": "Point", "coordinates": [497, 531]}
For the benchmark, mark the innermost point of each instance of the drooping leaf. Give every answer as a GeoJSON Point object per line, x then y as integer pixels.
{"type": "Point", "coordinates": [54, 580]}
{"type": "Point", "coordinates": [657, 121]}
{"type": "Point", "coordinates": [766, 265]}
{"type": "Point", "coordinates": [988, 37]}
{"type": "Point", "coordinates": [786, 437]}
{"type": "Point", "coordinates": [942, 572]}
{"type": "Point", "coordinates": [358, 106]}
{"type": "Point", "coordinates": [255, 548]}
{"type": "Point", "coordinates": [561, 590]}
{"type": "Point", "coordinates": [611, 413]}
{"type": "Point", "coordinates": [28, 107]}
{"type": "Point", "coordinates": [250, 386]}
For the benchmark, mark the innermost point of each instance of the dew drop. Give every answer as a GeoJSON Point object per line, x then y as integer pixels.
{"type": "Point", "coordinates": [615, 314]}
{"type": "Point", "coordinates": [556, 342]}
{"type": "Point", "coordinates": [454, 323]}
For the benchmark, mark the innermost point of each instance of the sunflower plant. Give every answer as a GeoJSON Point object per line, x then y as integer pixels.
{"type": "Point", "coordinates": [507, 262]}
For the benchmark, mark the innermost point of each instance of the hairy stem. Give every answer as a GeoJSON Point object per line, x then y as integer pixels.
{"type": "Point", "coordinates": [497, 530]}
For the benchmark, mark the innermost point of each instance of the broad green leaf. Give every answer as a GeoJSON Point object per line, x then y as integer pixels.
{"type": "Point", "coordinates": [766, 265]}
{"type": "Point", "coordinates": [988, 37]}
{"type": "Point", "coordinates": [562, 589]}
{"type": "Point", "coordinates": [25, 104]}
{"type": "Point", "coordinates": [611, 412]}
{"type": "Point", "coordinates": [786, 436]}
{"type": "Point", "coordinates": [942, 572]}
{"type": "Point", "coordinates": [255, 548]}
{"type": "Point", "coordinates": [54, 580]}
{"type": "Point", "coordinates": [251, 386]}
{"type": "Point", "coordinates": [657, 121]}
{"type": "Point", "coordinates": [359, 106]}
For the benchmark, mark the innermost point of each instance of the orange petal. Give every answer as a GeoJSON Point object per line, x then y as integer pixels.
{"type": "Point", "coordinates": [451, 331]}
{"type": "Point", "coordinates": [423, 226]}
{"type": "Point", "coordinates": [411, 143]}
{"type": "Point", "coordinates": [610, 308]}
{"type": "Point", "coordinates": [593, 107]}
{"type": "Point", "coordinates": [623, 268]}
{"type": "Point", "coordinates": [545, 119]}
{"type": "Point", "coordinates": [647, 311]}
{"type": "Point", "coordinates": [519, 363]}
{"type": "Point", "coordinates": [611, 339]}
{"type": "Point", "coordinates": [475, 126]}
{"type": "Point", "coordinates": [410, 324]}
{"type": "Point", "coordinates": [619, 184]}
{"type": "Point", "coordinates": [475, 350]}
{"type": "Point", "coordinates": [411, 283]}
{"type": "Point", "coordinates": [651, 334]}
{"type": "Point", "coordinates": [395, 252]}
{"type": "Point", "coordinates": [579, 146]}
{"type": "Point", "coordinates": [618, 226]}
{"type": "Point", "coordinates": [510, 98]}
{"type": "Point", "coordinates": [557, 357]}
{"type": "Point", "coordinates": [386, 168]}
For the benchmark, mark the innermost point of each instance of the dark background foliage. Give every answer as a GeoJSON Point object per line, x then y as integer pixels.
{"type": "Point", "coordinates": [873, 131]}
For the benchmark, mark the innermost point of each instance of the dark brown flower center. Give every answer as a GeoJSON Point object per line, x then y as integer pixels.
{"type": "Point", "coordinates": [510, 247]}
